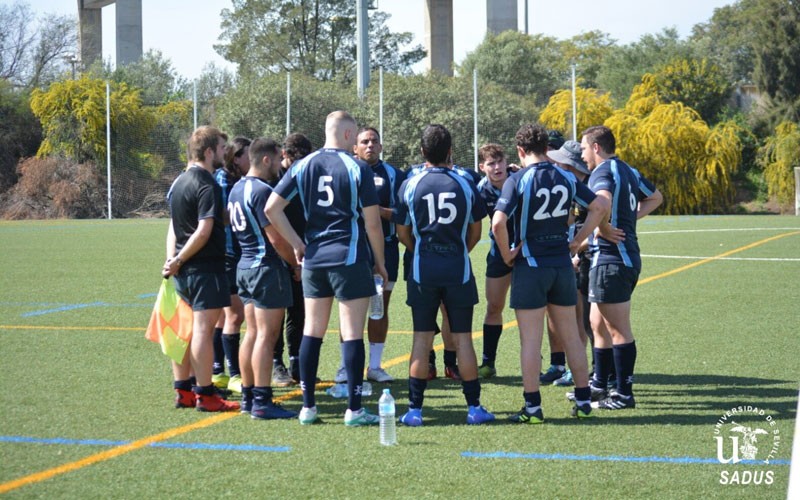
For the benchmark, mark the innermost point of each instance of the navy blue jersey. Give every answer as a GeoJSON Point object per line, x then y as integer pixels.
{"type": "Point", "coordinates": [226, 181]}
{"type": "Point", "coordinates": [627, 188]}
{"type": "Point", "coordinates": [294, 211]}
{"type": "Point", "coordinates": [248, 220]}
{"type": "Point", "coordinates": [194, 196]}
{"type": "Point", "coordinates": [490, 195]}
{"type": "Point", "coordinates": [387, 183]}
{"type": "Point", "coordinates": [333, 188]}
{"type": "Point", "coordinates": [439, 205]}
{"type": "Point", "coordinates": [541, 195]}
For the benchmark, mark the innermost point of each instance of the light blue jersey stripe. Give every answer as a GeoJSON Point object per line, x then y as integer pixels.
{"type": "Point", "coordinates": [253, 222]}
{"type": "Point", "coordinates": [623, 251]}
{"type": "Point", "coordinates": [354, 172]}
{"type": "Point", "coordinates": [409, 201]}
{"type": "Point", "coordinates": [465, 187]}
{"type": "Point", "coordinates": [522, 188]}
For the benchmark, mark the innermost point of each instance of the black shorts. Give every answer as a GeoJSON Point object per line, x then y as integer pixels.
{"type": "Point", "coordinates": [266, 287]}
{"type": "Point", "coordinates": [203, 291]}
{"type": "Point", "coordinates": [391, 252]}
{"type": "Point", "coordinates": [343, 282]}
{"type": "Point", "coordinates": [495, 267]}
{"type": "Point", "coordinates": [535, 287]}
{"type": "Point", "coordinates": [459, 302]}
{"type": "Point", "coordinates": [583, 275]}
{"type": "Point", "coordinates": [612, 283]}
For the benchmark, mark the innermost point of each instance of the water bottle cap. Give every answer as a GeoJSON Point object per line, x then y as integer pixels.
{"type": "Point", "coordinates": [386, 391]}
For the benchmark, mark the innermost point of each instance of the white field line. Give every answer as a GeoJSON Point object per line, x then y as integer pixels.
{"type": "Point", "coordinates": [690, 257]}
{"type": "Point", "coordinates": [719, 230]}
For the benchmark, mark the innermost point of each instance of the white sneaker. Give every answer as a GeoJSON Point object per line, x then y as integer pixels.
{"type": "Point", "coordinates": [341, 376]}
{"type": "Point", "coordinates": [379, 375]}
{"type": "Point", "coordinates": [360, 418]}
{"type": "Point", "coordinates": [308, 416]}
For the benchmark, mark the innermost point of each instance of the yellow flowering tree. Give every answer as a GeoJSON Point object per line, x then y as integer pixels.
{"type": "Point", "coordinates": [592, 108]}
{"type": "Point", "coordinates": [691, 163]}
{"type": "Point", "coordinates": [778, 157]}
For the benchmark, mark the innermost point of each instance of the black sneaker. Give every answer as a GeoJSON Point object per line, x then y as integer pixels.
{"type": "Point", "coordinates": [582, 411]}
{"type": "Point", "coordinates": [270, 411]}
{"type": "Point", "coordinates": [597, 393]}
{"type": "Point", "coordinates": [615, 402]}
{"type": "Point", "coordinates": [523, 417]}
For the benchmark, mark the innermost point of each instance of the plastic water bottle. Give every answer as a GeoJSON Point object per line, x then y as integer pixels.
{"type": "Point", "coordinates": [386, 412]}
{"type": "Point", "coordinates": [376, 301]}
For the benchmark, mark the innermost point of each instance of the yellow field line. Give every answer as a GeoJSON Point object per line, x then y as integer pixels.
{"type": "Point", "coordinates": [121, 450]}
{"type": "Point", "coordinates": [123, 328]}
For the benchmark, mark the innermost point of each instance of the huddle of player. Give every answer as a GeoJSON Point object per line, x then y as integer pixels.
{"type": "Point", "coordinates": [311, 227]}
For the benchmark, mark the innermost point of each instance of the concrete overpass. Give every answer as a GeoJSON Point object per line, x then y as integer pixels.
{"type": "Point", "coordinates": [129, 30]}
{"type": "Point", "coordinates": [501, 15]}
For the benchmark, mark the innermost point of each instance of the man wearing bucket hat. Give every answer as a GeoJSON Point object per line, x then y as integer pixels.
{"type": "Point", "coordinates": [568, 157]}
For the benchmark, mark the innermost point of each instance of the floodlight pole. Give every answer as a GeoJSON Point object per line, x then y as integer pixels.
{"type": "Point", "coordinates": [108, 145]}
{"type": "Point", "coordinates": [362, 50]}
{"type": "Point", "coordinates": [574, 107]}
{"type": "Point", "coordinates": [797, 190]}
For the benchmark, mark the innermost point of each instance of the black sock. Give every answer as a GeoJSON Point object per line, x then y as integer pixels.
{"type": "Point", "coordinates": [558, 358]}
{"type": "Point", "coordinates": [416, 392]}
{"type": "Point", "coordinates": [353, 355]}
{"type": "Point", "coordinates": [262, 395]}
{"type": "Point", "coordinates": [230, 343]}
{"type": "Point", "coordinates": [184, 385]}
{"type": "Point", "coordinates": [491, 337]}
{"type": "Point", "coordinates": [625, 361]}
{"type": "Point", "coordinates": [583, 394]}
{"type": "Point", "coordinates": [604, 364]}
{"type": "Point", "coordinates": [449, 358]}
{"type": "Point", "coordinates": [219, 353]}
{"type": "Point", "coordinates": [472, 391]}
{"type": "Point", "coordinates": [532, 399]}
{"type": "Point", "coordinates": [309, 361]}
{"type": "Point", "coordinates": [204, 390]}
{"type": "Point", "coordinates": [432, 357]}
{"type": "Point", "coordinates": [247, 393]}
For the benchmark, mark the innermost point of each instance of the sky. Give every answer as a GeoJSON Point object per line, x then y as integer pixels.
{"type": "Point", "coordinates": [185, 31]}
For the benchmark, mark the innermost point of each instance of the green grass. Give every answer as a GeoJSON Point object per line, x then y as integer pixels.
{"type": "Point", "coordinates": [711, 337]}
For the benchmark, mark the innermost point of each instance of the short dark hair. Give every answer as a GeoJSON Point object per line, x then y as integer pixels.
{"type": "Point", "coordinates": [262, 147]}
{"type": "Point", "coordinates": [202, 138]}
{"type": "Point", "coordinates": [369, 129]}
{"type": "Point", "coordinates": [436, 143]}
{"type": "Point", "coordinates": [490, 150]}
{"type": "Point", "coordinates": [602, 136]}
{"type": "Point", "coordinates": [532, 138]}
{"type": "Point", "coordinates": [296, 146]}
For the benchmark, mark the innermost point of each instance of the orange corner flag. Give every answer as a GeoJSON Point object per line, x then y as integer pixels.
{"type": "Point", "coordinates": [171, 322]}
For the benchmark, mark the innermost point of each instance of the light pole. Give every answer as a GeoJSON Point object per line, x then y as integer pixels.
{"type": "Point", "coordinates": [72, 60]}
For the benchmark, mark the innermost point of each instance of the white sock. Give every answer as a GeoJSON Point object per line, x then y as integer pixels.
{"type": "Point", "coordinates": [375, 354]}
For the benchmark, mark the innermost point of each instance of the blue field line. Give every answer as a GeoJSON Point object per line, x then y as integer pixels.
{"type": "Point", "coordinates": [146, 296]}
{"type": "Point", "coordinates": [184, 446]}
{"type": "Point", "coordinates": [612, 458]}
{"type": "Point", "coordinates": [71, 307]}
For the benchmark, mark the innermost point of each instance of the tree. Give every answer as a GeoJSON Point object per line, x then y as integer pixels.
{"type": "Point", "coordinates": [20, 132]}
{"type": "Point", "coordinates": [728, 40]}
{"type": "Point", "coordinates": [33, 52]}
{"type": "Point", "coordinates": [695, 83]}
{"type": "Point", "coordinates": [778, 157]}
{"type": "Point", "coordinates": [587, 50]}
{"type": "Point", "coordinates": [671, 145]}
{"type": "Point", "coordinates": [522, 64]}
{"type": "Point", "coordinates": [154, 76]}
{"type": "Point", "coordinates": [623, 67]}
{"type": "Point", "coordinates": [593, 108]}
{"type": "Point", "coordinates": [316, 37]}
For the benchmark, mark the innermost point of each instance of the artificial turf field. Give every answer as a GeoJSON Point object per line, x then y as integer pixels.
{"type": "Point", "coordinates": [86, 409]}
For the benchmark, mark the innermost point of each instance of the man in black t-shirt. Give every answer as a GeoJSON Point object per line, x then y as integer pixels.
{"type": "Point", "coordinates": [196, 260]}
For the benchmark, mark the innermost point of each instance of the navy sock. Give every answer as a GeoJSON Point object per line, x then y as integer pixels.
{"type": "Point", "coordinates": [604, 364]}
{"type": "Point", "coordinates": [230, 343]}
{"type": "Point", "coordinates": [219, 353]}
{"type": "Point", "coordinates": [558, 358]}
{"type": "Point", "coordinates": [449, 358]}
{"type": "Point", "coordinates": [353, 355]}
{"type": "Point", "coordinates": [416, 392]}
{"type": "Point", "coordinates": [204, 390]}
{"type": "Point", "coordinates": [432, 357]}
{"type": "Point", "coordinates": [491, 337]}
{"type": "Point", "coordinates": [624, 362]}
{"type": "Point", "coordinates": [247, 393]}
{"type": "Point", "coordinates": [583, 394]}
{"type": "Point", "coordinates": [184, 385]}
{"type": "Point", "coordinates": [532, 399]}
{"type": "Point", "coordinates": [309, 362]}
{"type": "Point", "coordinates": [472, 391]}
{"type": "Point", "coordinates": [262, 395]}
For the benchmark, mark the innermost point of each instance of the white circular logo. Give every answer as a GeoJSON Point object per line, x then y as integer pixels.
{"type": "Point", "coordinates": [741, 439]}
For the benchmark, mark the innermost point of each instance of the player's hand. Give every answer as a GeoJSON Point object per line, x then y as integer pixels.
{"type": "Point", "coordinates": [611, 233]}
{"type": "Point", "coordinates": [381, 270]}
{"type": "Point", "coordinates": [510, 256]}
{"type": "Point", "coordinates": [299, 254]}
{"type": "Point", "coordinates": [576, 261]}
{"type": "Point", "coordinates": [513, 167]}
{"type": "Point", "coordinates": [297, 273]}
{"type": "Point", "coordinates": [171, 267]}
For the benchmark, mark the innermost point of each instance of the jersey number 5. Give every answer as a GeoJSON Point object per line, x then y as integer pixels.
{"type": "Point", "coordinates": [324, 187]}
{"type": "Point", "coordinates": [444, 206]}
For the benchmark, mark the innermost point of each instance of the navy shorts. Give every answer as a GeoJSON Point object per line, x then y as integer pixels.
{"type": "Point", "coordinates": [535, 287]}
{"type": "Point", "coordinates": [495, 266]}
{"type": "Point", "coordinates": [612, 283]}
{"type": "Point", "coordinates": [203, 291]}
{"type": "Point", "coordinates": [391, 252]}
{"type": "Point", "coordinates": [343, 282]}
{"type": "Point", "coordinates": [266, 287]}
{"type": "Point", "coordinates": [459, 302]}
